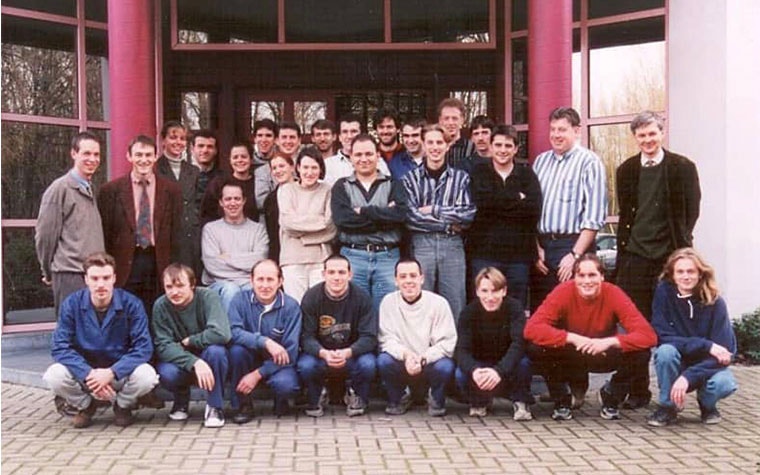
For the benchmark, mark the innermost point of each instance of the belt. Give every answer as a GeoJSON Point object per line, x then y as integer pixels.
{"type": "Point", "coordinates": [558, 236]}
{"type": "Point", "coordinates": [372, 247]}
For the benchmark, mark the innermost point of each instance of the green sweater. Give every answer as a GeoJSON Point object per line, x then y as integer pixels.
{"type": "Point", "coordinates": [204, 321]}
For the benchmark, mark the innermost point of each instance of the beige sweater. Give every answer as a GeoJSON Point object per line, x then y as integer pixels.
{"type": "Point", "coordinates": [306, 226]}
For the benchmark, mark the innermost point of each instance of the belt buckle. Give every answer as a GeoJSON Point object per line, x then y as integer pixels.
{"type": "Point", "coordinates": [369, 248]}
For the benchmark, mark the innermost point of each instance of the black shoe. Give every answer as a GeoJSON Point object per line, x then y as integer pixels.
{"type": "Point", "coordinates": [636, 401]}
{"type": "Point", "coordinates": [662, 416]}
{"type": "Point", "coordinates": [609, 406]}
{"type": "Point", "coordinates": [562, 413]}
{"type": "Point", "coordinates": [244, 415]}
{"type": "Point", "coordinates": [150, 400]}
{"type": "Point", "coordinates": [122, 417]}
{"type": "Point", "coordinates": [709, 416]}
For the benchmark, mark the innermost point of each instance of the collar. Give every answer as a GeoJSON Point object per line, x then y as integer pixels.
{"type": "Point", "coordinates": [277, 303]}
{"type": "Point", "coordinates": [137, 180]}
{"type": "Point", "coordinates": [79, 178]}
{"type": "Point", "coordinates": [659, 156]}
{"type": "Point", "coordinates": [567, 155]}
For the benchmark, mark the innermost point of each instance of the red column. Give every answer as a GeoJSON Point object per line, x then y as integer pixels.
{"type": "Point", "coordinates": [550, 49]}
{"type": "Point", "coordinates": [131, 69]}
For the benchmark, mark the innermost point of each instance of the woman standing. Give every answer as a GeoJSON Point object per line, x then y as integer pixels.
{"type": "Point", "coordinates": [241, 174]}
{"type": "Point", "coordinates": [283, 171]}
{"type": "Point", "coordinates": [306, 226]}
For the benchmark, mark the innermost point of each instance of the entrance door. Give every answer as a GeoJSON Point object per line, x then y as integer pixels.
{"type": "Point", "coordinates": [303, 108]}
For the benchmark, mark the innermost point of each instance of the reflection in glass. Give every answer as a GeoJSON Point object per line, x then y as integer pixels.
{"type": "Point", "coordinates": [243, 20]}
{"type": "Point", "coordinates": [519, 81]}
{"type": "Point", "coordinates": [197, 110]}
{"type": "Point", "coordinates": [274, 110]}
{"type": "Point", "coordinates": [613, 143]}
{"type": "Point", "coordinates": [22, 287]}
{"type": "Point", "coordinates": [96, 70]}
{"type": "Point", "coordinates": [192, 37]}
{"type": "Point", "coordinates": [475, 103]}
{"type": "Point", "coordinates": [57, 7]}
{"type": "Point", "coordinates": [308, 112]}
{"type": "Point", "coordinates": [336, 21]}
{"type": "Point", "coordinates": [437, 21]}
{"type": "Point", "coordinates": [602, 8]}
{"type": "Point", "coordinates": [365, 104]}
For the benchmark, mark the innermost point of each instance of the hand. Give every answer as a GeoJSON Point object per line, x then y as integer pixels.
{"type": "Point", "coordinates": [185, 342]}
{"type": "Point", "coordinates": [541, 262]}
{"type": "Point", "coordinates": [721, 354]}
{"type": "Point", "coordinates": [413, 364]}
{"type": "Point", "coordinates": [279, 354]}
{"type": "Point", "coordinates": [46, 281]}
{"type": "Point", "coordinates": [204, 375]}
{"type": "Point", "coordinates": [565, 270]}
{"type": "Point", "coordinates": [333, 358]}
{"type": "Point", "coordinates": [486, 378]}
{"type": "Point", "coordinates": [456, 227]}
{"type": "Point", "coordinates": [358, 210]}
{"type": "Point", "coordinates": [425, 209]}
{"type": "Point", "coordinates": [678, 391]}
{"type": "Point", "coordinates": [98, 378]}
{"type": "Point", "coordinates": [107, 393]}
{"type": "Point", "coordinates": [248, 382]}
{"type": "Point", "coordinates": [578, 341]}
{"type": "Point", "coordinates": [597, 346]}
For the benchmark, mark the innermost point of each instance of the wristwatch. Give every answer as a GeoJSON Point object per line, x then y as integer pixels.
{"type": "Point", "coordinates": [576, 256]}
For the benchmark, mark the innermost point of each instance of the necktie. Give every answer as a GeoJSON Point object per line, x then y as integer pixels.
{"type": "Point", "coordinates": [649, 163]}
{"type": "Point", "coordinates": [144, 230]}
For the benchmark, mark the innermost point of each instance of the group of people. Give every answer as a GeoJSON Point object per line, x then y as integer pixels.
{"type": "Point", "coordinates": [322, 270]}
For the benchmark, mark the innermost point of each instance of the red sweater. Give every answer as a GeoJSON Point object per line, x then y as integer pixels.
{"type": "Point", "coordinates": [564, 310]}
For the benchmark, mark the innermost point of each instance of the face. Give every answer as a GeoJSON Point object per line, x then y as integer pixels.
{"type": "Point", "coordinates": [412, 139]}
{"type": "Point", "coordinates": [87, 158]}
{"type": "Point", "coordinates": [309, 171]}
{"type": "Point", "coordinates": [435, 149]}
{"type": "Point", "coordinates": [281, 170]}
{"type": "Point", "coordinates": [364, 157]}
{"type": "Point", "coordinates": [489, 297]}
{"type": "Point", "coordinates": [264, 140]}
{"type": "Point", "coordinates": [179, 292]}
{"type": "Point", "coordinates": [288, 141]}
{"type": "Point", "coordinates": [142, 157]}
{"type": "Point", "coordinates": [100, 281]}
{"type": "Point", "coordinates": [387, 131]}
{"type": "Point", "coordinates": [337, 275]}
{"type": "Point", "coordinates": [266, 281]}
{"type": "Point", "coordinates": [649, 139]}
{"type": "Point", "coordinates": [481, 137]}
{"type": "Point", "coordinates": [348, 130]}
{"type": "Point", "coordinates": [240, 161]}
{"type": "Point", "coordinates": [175, 142]}
{"type": "Point", "coordinates": [232, 202]}
{"type": "Point", "coordinates": [588, 280]}
{"type": "Point", "coordinates": [323, 139]}
{"type": "Point", "coordinates": [204, 150]}
{"type": "Point", "coordinates": [451, 120]}
{"type": "Point", "coordinates": [562, 135]}
{"type": "Point", "coordinates": [504, 150]}
{"type": "Point", "coordinates": [409, 280]}
{"type": "Point", "coordinates": [685, 275]}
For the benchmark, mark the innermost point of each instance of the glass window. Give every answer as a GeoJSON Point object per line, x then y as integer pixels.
{"type": "Point", "coordinates": [602, 8]}
{"type": "Point", "coordinates": [435, 21]}
{"type": "Point", "coordinates": [57, 7]}
{"type": "Point", "coordinates": [22, 287]}
{"type": "Point", "coordinates": [475, 103]}
{"type": "Point", "coordinates": [192, 37]}
{"type": "Point", "coordinates": [519, 15]}
{"type": "Point", "coordinates": [274, 110]}
{"type": "Point", "coordinates": [39, 67]}
{"type": "Point", "coordinates": [96, 69]}
{"type": "Point", "coordinates": [365, 104]}
{"type": "Point", "coordinates": [198, 110]}
{"type": "Point", "coordinates": [239, 19]}
{"type": "Point", "coordinates": [337, 21]}
{"type": "Point", "coordinates": [96, 10]}
{"type": "Point", "coordinates": [627, 67]}
{"type": "Point", "coordinates": [613, 143]}
{"type": "Point", "coordinates": [519, 81]}
{"type": "Point", "coordinates": [306, 113]}
{"type": "Point", "coordinates": [522, 152]}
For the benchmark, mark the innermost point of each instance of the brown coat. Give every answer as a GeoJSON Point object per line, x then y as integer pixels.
{"type": "Point", "coordinates": [117, 210]}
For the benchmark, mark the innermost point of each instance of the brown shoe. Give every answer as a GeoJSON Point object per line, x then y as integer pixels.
{"type": "Point", "coordinates": [84, 417]}
{"type": "Point", "coordinates": [150, 400]}
{"type": "Point", "coordinates": [122, 417]}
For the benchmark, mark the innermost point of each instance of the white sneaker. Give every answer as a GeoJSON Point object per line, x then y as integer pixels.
{"type": "Point", "coordinates": [214, 417]}
{"type": "Point", "coordinates": [480, 411]}
{"type": "Point", "coordinates": [179, 412]}
{"type": "Point", "coordinates": [522, 411]}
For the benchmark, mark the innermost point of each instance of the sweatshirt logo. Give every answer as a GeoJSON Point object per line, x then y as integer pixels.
{"type": "Point", "coordinates": [326, 321]}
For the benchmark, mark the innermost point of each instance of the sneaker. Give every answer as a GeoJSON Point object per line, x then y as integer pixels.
{"type": "Point", "coordinates": [179, 412]}
{"type": "Point", "coordinates": [122, 417]}
{"type": "Point", "coordinates": [355, 405]}
{"type": "Point", "coordinates": [562, 413]}
{"type": "Point", "coordinates": [83, 418]}
{"type": "Point", "coordinates": [435, 409]}
{"type": "Point", "coordinates": [480, 411]}
{"type": "Point", "coordinates": [214, 417]}
{"type": "Point", "coordinates": [318, 410]}
{"type": "Point", "coordinates": [64, 408]}
{"type": "Point", "coordinates": [609, 410]}
{"type": "Point", "coordinates": [401, 407]}
{"type": "Point", "coordinates": [521, 411]}
{"type": "Point", "coordinates": [662, 416]}
{"type": "Point", "coordinates": [244, 415]}
{"type": "Point", "coordinates": [709, 416]}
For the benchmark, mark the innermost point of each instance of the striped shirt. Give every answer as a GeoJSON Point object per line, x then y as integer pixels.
{"type": "Point", "coordinates": [574, 190]}
{"type": "Point", "coordinates": [458, 155]}
{"type": "Point", "coordinates": [449, 197]}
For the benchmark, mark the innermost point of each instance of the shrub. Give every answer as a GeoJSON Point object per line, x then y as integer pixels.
{"type": "Point", "coordinates": [747, 330]}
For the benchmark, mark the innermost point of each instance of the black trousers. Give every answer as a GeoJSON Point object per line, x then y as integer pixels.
{"type": "Point", "coordinates": [142, 279]}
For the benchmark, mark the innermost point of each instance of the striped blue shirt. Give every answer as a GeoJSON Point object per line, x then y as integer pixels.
{"type": "Point", "coordinates": [574, 190]}
{"type": "Point", "coordinates": [449, 197]}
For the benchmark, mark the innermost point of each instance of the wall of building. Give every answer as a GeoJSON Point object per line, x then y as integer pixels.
{"type": "Point", "coordinates": [714, 113]}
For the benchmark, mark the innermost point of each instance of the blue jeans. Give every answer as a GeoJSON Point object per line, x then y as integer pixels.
{"type": "Point", "coordinates": [374, 272]}
{"type": "Point", "coordinates": [313, 370]}
{"type": "Point", "coordinates": [395, 378]}
{"type": "Point", "coordinates": [443, 264]}
{"type": "Point", "coordinates": [515, 387]}
{"type": "Point", "coordinates": [554, 251]}
{"type": "Point", "coordinates": [284, 381]}
{"type": "Point", "coordinates": [178, 381]}
{"type": "Point", "coordinates": [227, 291]}
{"type": "Point", "coordinates": [667, 364]}
{"type": "Point", "coordinates": [517, 274]}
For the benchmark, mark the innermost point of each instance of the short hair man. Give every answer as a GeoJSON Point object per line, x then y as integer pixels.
{"type": "Point", "coordinates": [387, 123]}
{"type": "Point", "coordinates": [440, 210]}
{"type": "Point", "coordinates": [575, 331]}
{"type": "Point", "coordinates": [205, 155]}
{"type": "Point", "coordinates": [101, 347]}
{"type": "Point", "coordinates": [141, 215]}
{"type": "Point", "coordinates": [190, 330]}
{"type": "Point", "coordinates": [68, 226]}
{"type": "Point", "coordinates": [414, 153]}
{"type": "Point", "coordinates": [173, 166]}
{"type": "Point", "coordinates": [231, 246]}
{"type": "Point", "coordinates": [573, 183]}
{"type": "Point", "coordinates": [340, 165]}
{"type": "Point", "coordinates": [658, 193]}
{"type": "Point", "coordinates": [417, 340]}
{"type": "Point", "coordinates": [266, 327]}
{"type": "Point", "coordinates": [508, 197]}
{"type": "Point", "coordinates": [369, 210]}
{"type": "Point", "coordinates": [323, 135]}
{"type": "Point", "coordinates": [264, 135]}
{"type": "Point", "coordinates": [339, 338]}
{"type": "Point", "coordinates": [481, 128]}
{"type": "Point", "coordinates": [288, 144]}
{"type": "Point", "coordinates": [451, 114]}
{"type": "Point", "coordinates": [491, 350]}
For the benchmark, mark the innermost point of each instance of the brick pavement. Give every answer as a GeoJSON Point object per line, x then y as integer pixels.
{"type": "Point", "coordinates": [35, 439]}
